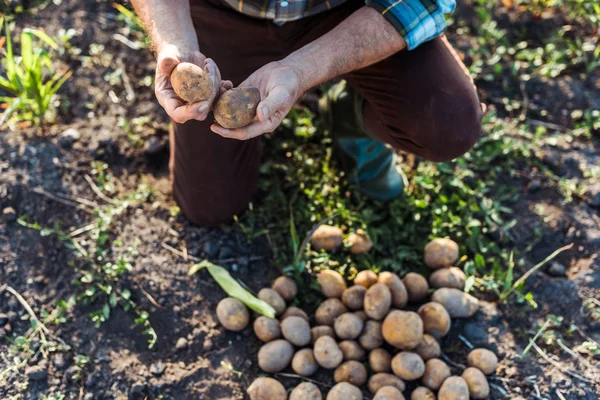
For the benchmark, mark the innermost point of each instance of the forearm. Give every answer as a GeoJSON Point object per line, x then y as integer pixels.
{"type": "Point", "coordinates": [167, 22]}
{"type": "Point", "coordinates": [362, 39]}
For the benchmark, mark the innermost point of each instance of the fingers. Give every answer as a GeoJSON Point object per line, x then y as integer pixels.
{"type": "Point", "coordinates": [278, 98]}
{"type": "Point", "coordinates": [254, 129]}
{"type": "Point", "coordinates": [168, 58]}
{"type": "Point", "coordinates": [225, 86]}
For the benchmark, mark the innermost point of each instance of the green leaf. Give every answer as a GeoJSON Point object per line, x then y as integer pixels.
{"type": "Point", "coordinates": [233, 288]}
{"type": "Point", "coordinates": [27, 50]}
{"type": "Point", "coordinates": [106, 311]}
{"type": "Point", "coordinates": [43, 37]}
{"type": "Point", "coordinates": [469, 283]}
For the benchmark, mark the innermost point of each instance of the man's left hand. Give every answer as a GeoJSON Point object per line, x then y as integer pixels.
{"type": "Point", "coordinates": [280, 88]}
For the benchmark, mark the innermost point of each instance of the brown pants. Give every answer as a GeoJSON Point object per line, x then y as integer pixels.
{"type": "Point", "coordinates": [420, 101]}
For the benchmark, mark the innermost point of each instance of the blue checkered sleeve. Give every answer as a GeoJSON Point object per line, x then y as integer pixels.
{"type": "Point", "coordinates": [417, 20]}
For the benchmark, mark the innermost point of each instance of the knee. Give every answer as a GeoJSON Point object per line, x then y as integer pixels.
{"type": "Point", "coordinates": [453, 129]}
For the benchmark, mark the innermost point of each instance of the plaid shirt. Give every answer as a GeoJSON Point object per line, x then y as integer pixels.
{"type": "Point", "coordinates": [416, 20]}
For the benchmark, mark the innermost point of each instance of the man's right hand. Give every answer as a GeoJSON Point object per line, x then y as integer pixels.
{"type": "Point", "coordinates": [179, 111]}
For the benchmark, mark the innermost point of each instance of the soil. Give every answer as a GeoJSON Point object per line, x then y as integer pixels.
{"type": "Point", "coordinates": [195, 358]}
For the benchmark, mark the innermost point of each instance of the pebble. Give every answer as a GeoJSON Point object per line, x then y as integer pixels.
{"type": "Point", "coordinates": [68, 137]}
{"type": "Point", "coordinates": [557, 269]}
{"type": "Point", "coordinates": [181, 343]}
{"type": "Point", "coordinates": [137, 388]}
{"type": "Point", "coordinates": [209, 249]}
{"type": "Point", "coordinates": [36, 373]}
{"type": "Point", "coordinates": [535, 186]}
{"type": "Point", "coordinates": [9, 214]}
{"type": "Point", "coordinates": [158, 368]}
{"type": "Point", "coordinates": [88, 396]}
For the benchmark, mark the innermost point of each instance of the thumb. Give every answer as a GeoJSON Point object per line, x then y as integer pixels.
{"type": "Point", "coordinates": [168, 58]}
{"type": "Point", "coordinates": [276, 100]}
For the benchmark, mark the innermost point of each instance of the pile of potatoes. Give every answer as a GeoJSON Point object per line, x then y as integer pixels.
{"type": "Point", "coordinates": [367, 336]}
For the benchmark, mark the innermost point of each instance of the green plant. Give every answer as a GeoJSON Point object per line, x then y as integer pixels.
{"type": "Point", "coordinates": [31, 79]}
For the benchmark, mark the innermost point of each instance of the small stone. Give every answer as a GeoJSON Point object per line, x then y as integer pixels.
{"type": "Point", "coordinates": [3, 319]}
{"type": "Point", "coordinates": [535, 186]}
{"type": "Point", "coordinates": [36, 373]}
{"type": "Point", "coordinates": [181, 343]}
{"type": "Point", "coordinates": [158, 368]}
{"type": "Point", "coordinates": [9, 214]}
{"type": "Point", "coordinates": [209, 249]}
{"type": "Point", "coordinates": [557, 269]}
{"type": "Point", "coordinates": [68, 137]}
{"type": "Point", "coordinates": [208, 345]}
{"type": "Point", "coordinates": [137, 388]}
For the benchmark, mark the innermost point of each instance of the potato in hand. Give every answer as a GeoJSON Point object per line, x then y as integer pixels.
{"type": "Point", "coordinates": [236, 107]}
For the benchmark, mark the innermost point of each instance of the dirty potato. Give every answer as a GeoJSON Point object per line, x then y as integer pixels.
{"type": "Point", "coordinates": [348, 326]}
{"type": "Point", "coordinates": [296, 330]}
{"type": "Point", "coordinates": [371, 336]}
{"type": "Point", "coordinates": [328, 311]}
{"type": "Point", "coordinates": [408, 365]}
{"type": "Point", "coordinates": [416, 286]}
{"type": "Point", "coordinates": [306, 391]}
{"type": "Point", "coordinates": [327, 352]}
{"type": "Point", "coordinates": [422, 393]}
{"type": "Point", "coordinates": [236, 107]}
{"type": "Point", "coordinates": [352, 350]}
{"type": "Point", "coordinates": [382, 379]}
{"type": "Point", "coordinates": [328, 238]}
{"type": "Point", "coordinates": [275, 356]}
{"type": "Point", "coordinates": [264, 388]}
{"type": "Point", "coordinates": [380, 360]}
{"type": "Point", "coordinates": [266, 329]}
{"type": "Point", "coordinates": [436, 372]}
{"type": "Point", "coordinates": [403, 329]}
{"type": "Point", "coordinates": [378, 301]}
{"type": "Point", "coordinates": [366, 278]}
{"type": "Point", "coordinates": [479, 388]}
{"type": "Point", "coordinates": [448, 277]}
{"type": "Point", "coordinates": [344, 391]}
{"type": "Point", "coordinates": [332, 283]}
{"type": "Point", "coordinates": [354, 297]}
{"type": "Point", "coordinates": [359, 242]}
{"type": "Point", "coordinates": [441, 253]}
{"type": "Point", "coordinates": [232, 314]}
{"type": "Point", "coordinates": [397, 288]}
{"type": "Point", "coordinates": [454, 388]}
{"type": "Point", "coordinates": [294, 311]}
{"type": "Point", "coordinates": [428, 348]}
{"type": "Point", "coordinates": [321, 330]}
{"type": "Point", "coordinates": [304, 363]}
{"type": "Point", "coordinates": [483, 359]}
{"type": "Point", "coordinates": [273, 298]}
{"type": "Point", "coordinates": [352, 372]}
{"type": "Point", "coordinates": [361, 314]}
{"type": "Point", "coordinates": [458, 303]}
{"type": "Point", "coordinates": [192, 83]}
{"type": "Point", "coordinates": [286, 287]}
{"type": "Point", "coordinates": [436, 320]}
{"type": "Point", "coordinates": [388, 393]}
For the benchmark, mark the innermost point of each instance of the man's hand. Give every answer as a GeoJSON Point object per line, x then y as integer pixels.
{"type": "Point", "coordinates": [168, 58]}
{"type": "Point", "coordinates": [280, 88]}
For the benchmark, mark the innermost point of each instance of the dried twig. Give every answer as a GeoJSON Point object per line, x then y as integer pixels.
{"type": "Point", "coordinates": [81, 230]}
{"type": "Point", "coordinates": [294, 376]}
{"type": "Point", "coordinates": [98, 192]}
{"type": "Point", "coordinates": [149, 297]}
{"type": "Point", "coordinates": [466, 342]}
{"type": "Point", "coordinates": [68, 202]}
{"type": "Point", "coordinates": [545, 124]}
{"type": "Point", "coordinates": [575, 355]}
{"type": "Point", "coordinates": [557, 364]}
{"type": "Point", "coordinates": [130, 93]}
{"type": "Point", "coordinates": [454, 364]}
{"type": "Point", "coordinates": [42, 328]}
{"type": "Point", "coordinates": [525, 105]}
{"type": "Point", "coordinates": [178, 252]}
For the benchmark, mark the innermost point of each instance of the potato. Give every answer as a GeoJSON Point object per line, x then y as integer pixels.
{"type": "Point", "coordinates": [275, 356]}
{"type": "Point", "coordinates": [304, 363]}
{"type": "Point", "coordinates": [402, 329]}
{"type": "Point", "coordinates": [362, 315]}
{"type": "Point", "coordinates": [359, 242]}
{"type": "Point", "coordinates": [267, 329]}
{"type": "Point", "coordinates": [236, 107]}
{"type": "Point", "coordinates": [192, 83]}
{"type": "Point", "coordinates": [328, 311]}
{"type": "Point", "coordinates": [380, 380]}
{"type": "Point", "coordinates": [332, 283]}
{"type": "Point", "coordinates": [295, 311]}
{"type": "Point", "coordinates": [436, 320]}
{"type": "Point", "coordinates": [380, 360]}
{"type": "Point", "coordinates": [416, 286]}
{"type": "Point", "coordinates": [397, 288]}
{"type": "Point", "coordinates": [354, 297]}
{"type": "Point", "coordinates": [428, 348]}
{"type": "Point", "coordinates": [321, 330]}
{"type": "Point", "coordinates": [286, 287]}
{"type": "Point", "coordinates": [436, 372]}
{"type": "Point", "coordinates": [352, 350]}
{"type": "Point", "coordinates": [408, 365]}
{"type": "Point", "coordinates": [264, 388]}
{"type": "Point", "coordinates": [366, 278]}
{"type": "Point", "coordinates": [306, 391]}
{"type": "Point", "coordinates": [296, 330]}
{"type": "Point", "coordinates": [327, 352]}
{"type": "Point", "coordinates": [484, 360]}
{"type": "Point", "coordinates": [328, 238]}
{"type": "Point", "coordinates": [479, 388]}
{"type": "Point", "coordinates": [458, 304]}
{"type": "Point", "coordinates": [440, 253]}
{"type": "Point", "coordinates": [352, 372]}
{"type": "Point", "coordinates": [232, 314]}
{"type": "Point", "coordinates": [371, 336]}
{"type": "Point", "coordinates": [388, 393]}
{"type": "Point", "coordinates": [273, 298]}
{"type": "Point", "coordinates": [448, 277]}
{"type": "Point", "coordinates": [454, 388]}
{"type": "Point", "coordinates": [378, 300]}
{"type": "Point", "coordinates": [348, 326]}
{"type": "Point", "coordinates": [422, 393]}
{"type": "Point", "coordinates": [344, 391]}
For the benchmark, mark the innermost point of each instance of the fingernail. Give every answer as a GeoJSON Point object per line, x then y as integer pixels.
{"type": "Point", "coordinates": [203, 108]}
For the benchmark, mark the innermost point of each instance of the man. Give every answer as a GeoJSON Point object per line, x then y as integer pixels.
{"type": "Point", "coordinates": [406, 88]}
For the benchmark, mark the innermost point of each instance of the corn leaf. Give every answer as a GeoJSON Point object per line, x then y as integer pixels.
{"type": "Point", "coordinates": [43, 37]}
{"type": "Point", "coordinates": [233, 288]}
{"type": "Point", "coordinates": [27, 50]}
